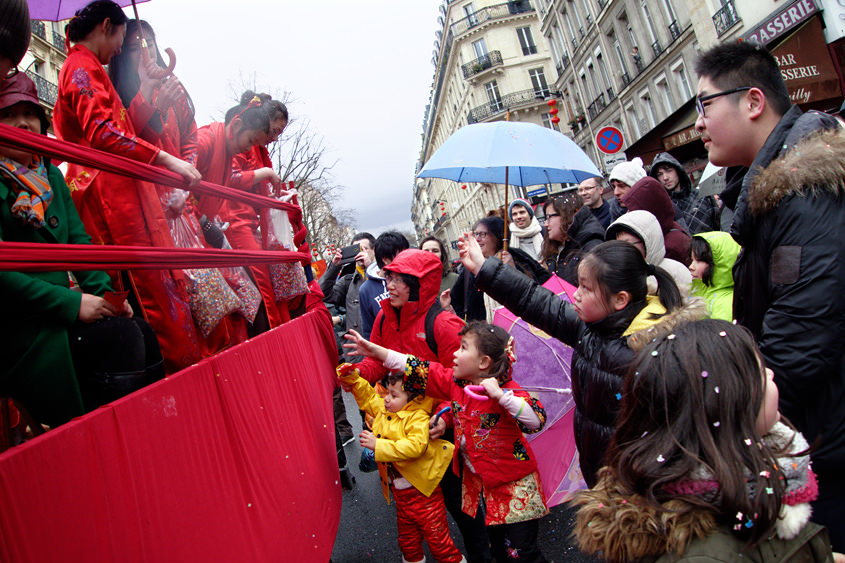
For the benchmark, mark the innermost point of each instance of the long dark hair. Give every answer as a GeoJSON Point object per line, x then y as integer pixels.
{"type": "Point", "coordinates": [702, 252]}
{"type": "Point", "coordinates": [444, 258]}
{"type": "Point", "coordinates": [90, 16]}
{"type": "Point", "coordinates": [690, 401]}
{"type": "Point", "coordinates": [618, 266]}
{"type": "Point", "coordinates": [566, 206]}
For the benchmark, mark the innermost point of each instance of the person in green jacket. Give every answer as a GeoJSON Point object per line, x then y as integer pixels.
{"type": "Point", "coordinates": [64, 351]}
{"type": "Point", "coordinates": [713, 257]}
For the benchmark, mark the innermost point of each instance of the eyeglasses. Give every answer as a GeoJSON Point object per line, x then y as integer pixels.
{"type": "Point", "coordinates": [393, 278]}
{"type": "Point", "coordinates": [550, 215]}
{"type": "Point", "coordinates": [587, 189]}
{"type": "Point", "coordinates": [480, 234]}
{"type": "Point", "coordinates": [699, 100]}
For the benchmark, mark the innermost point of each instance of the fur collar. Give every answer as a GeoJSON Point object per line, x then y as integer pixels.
{"type": "Point", "coordinates": [814, 165]}
{"type": "Point", "coordinates": [695, 308]}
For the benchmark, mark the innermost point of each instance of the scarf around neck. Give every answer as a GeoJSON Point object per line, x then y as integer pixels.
{"type": "Point", "coordinates": [31, 187]}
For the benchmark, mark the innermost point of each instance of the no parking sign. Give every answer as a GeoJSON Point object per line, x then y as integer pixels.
{"type": "Point", "coordinates": [609, 140]}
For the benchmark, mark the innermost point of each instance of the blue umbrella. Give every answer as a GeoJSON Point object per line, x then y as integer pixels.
{"type": "Point", "coordinates": [512, 153]}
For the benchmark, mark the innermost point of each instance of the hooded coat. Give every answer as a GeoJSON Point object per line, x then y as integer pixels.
{"type": "Point", "coordinates": [649, 194]}
{"type": "Point", "coordinates": [789, 278]}
{"type": "Point", "coordinates": [720, 293]}
{"type": "Point", "coordinates": [403, 329]}
{"type": "Point", "coordinates": [602, 351]}
{"type": "Point", "coordinates": [644, 225]}
{"type": "Point", "coordinates": [700, 213]}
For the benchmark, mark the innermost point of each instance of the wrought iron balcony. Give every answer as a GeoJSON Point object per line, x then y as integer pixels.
{"type": "Point", "coordinates": [611, 95]}
{"type": "Point", "coordinates": [574, 43]}
{"type": "Point", "coordinates": [491, 59]}
{"type": "Point", "coordinates": [561, 66]}
{"type": "Point", "coordinates": [626, 78]}
{"type": "Point", "coordinates": [596, 107]}
{"type": "Point", "coordinates": [507, 102]}
{"type": "Point", "coordinates": [656, 49]}
{"type": "Point", "coordinates": [47, 91]}
{"type": "Point", "coordinates": [491, 13]}
{"type": "Point", "coordinates": [674, 30]}
{"type": "Point", "coordinates": [59, 42]}
{"type": "Point", "coordinates": [39, 29]}
{"type": "Point", "coordinates": [725, 18]}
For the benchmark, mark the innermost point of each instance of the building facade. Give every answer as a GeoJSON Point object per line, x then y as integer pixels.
{"type": "Point", "coordinates": [626, 64]}
{"type": "Point", "coordinates": [491, 64]}
{"type": "Point", "coordinates": [44, 60]}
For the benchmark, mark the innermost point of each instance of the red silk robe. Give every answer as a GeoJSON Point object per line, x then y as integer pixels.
{"type": "Point", "coordinates": [116, 209]}
{"type": "Point", "coordinates": [244, 222]}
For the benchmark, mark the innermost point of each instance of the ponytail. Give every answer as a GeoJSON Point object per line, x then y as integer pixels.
{"type": "Point", "coordinates": [668, 292]}
{"type": "Point", "coordinates": [92, 15]}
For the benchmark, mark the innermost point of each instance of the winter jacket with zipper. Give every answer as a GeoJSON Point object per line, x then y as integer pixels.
{"type": "Point", "coordinates": [720, 293]}
{"type": "Point", "coordinates": [343, 292]}
{"type": "Point", "coordinates": [649, 194]}
{"type": "Point", "coordinates": [789, 278]}
{"type": "Point", "coordinates": [402, 439]}
{"type": "Point", "coordinates": [701, 213]}
{"type": "Point", "coordinates": [645, 226]}
{"type": "Point", "coordinates": [601, 355]}
{"type": "Point", "coordinates": [403, 330]}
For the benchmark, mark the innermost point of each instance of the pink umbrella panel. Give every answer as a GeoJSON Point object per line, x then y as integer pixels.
{"type": "Point", "coordinates": [59, 10]}
{"type": "Point", "coordinates": [543, 368]}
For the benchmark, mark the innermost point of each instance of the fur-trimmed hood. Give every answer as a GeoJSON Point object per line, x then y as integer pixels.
{"type": "Point", "coordinates": [815, 163]}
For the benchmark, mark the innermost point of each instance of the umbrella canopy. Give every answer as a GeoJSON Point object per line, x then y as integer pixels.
{"type": "Point", "coordinates": [543, 366]}
{"type": "Point", "coordinates": [531, 154]}
{"type": "Point", "coordinates": [58, 10]}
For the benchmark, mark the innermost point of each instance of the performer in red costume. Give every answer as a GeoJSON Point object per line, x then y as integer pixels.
{"type": "Point", "coordinates": [115, 209]}
{"type": "Point", "coordinates": [253, 171]}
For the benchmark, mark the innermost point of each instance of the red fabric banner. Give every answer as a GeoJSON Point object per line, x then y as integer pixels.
{"type": "Point", "coordinates": [40, 257]}
{"type": "Point", "coordinates": [232, 459]}
{"type": "Point", "coordinates": [86, 156]}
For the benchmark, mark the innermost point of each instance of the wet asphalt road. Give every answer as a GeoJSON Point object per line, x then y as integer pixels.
{"type": "Point", "coordinates": [367, 532]}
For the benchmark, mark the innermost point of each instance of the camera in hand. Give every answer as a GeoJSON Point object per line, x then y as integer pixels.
{"type": "Point", "coordinates": [348, 253]}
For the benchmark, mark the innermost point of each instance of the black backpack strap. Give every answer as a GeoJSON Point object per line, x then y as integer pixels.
{"type": "Point", "coordinates": [430, 317]}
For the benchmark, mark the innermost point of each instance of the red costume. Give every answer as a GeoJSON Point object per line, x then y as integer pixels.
{"type": "Point", "coordinates": [116, 209]}
{"type": "Point", "coordinates": [244, 222]}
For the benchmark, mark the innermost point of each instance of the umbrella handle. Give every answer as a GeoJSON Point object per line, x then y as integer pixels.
{"type": "Point", "coordinates": [470, 390]}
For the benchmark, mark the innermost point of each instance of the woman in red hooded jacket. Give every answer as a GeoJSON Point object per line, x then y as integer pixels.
{"type": "Point", "coordinates": [116, 209]}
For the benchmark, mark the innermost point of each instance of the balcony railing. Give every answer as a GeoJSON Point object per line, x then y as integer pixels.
{"type": "Point", "coordinates": [626, 78]}
{"type": "Point", "coordinates": [674, 30]}
{"type": "Point", "coordinates": [491, 13]}
{"type": "Point", "coordinates": [561, 66]}
{"type": "Point", "coordinates": [59, 42]}
{"type": "Point", "coordinates": [507, 102]}
{"type": "Point", "coordinates": [725, 18]}
{"type": "Point", "coordinates": [596, 107]}
{"type": "Point", "coordinates": [656, 49]}
{"type": "Point", "coordinates": [574, 43]}
{"type": "Point", "coordinates": [47, 91]}
{"type": "Point", "coordinates": [491, 59]}
{"type": "Point", "coordinates": [38, 29]}
{"type": "Point", "coordinates": [611, 95]}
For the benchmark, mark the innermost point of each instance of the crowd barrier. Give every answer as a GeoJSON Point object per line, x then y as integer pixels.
{"type": "Point", "coordinates": [232, 459]}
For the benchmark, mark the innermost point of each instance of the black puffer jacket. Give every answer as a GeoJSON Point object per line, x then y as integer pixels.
{"type": "Point", "coordinates": [790, 278]}
{"type": "Point", "coordinates": [600, 359]}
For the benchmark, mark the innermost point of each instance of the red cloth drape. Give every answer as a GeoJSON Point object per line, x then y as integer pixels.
{"type": "Point", "coordinates": [232, 459]}
{"type": "Point", "coordinates": [36, 257]}
{"type": "Point", "coordinates": [63, 151]}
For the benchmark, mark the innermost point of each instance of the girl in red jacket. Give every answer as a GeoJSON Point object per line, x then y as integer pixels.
{"type": "Point", "coordinates": [498, 464]}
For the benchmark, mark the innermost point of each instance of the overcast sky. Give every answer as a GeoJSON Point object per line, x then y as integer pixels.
{"type": "Point", "coordinates": [359, 71]}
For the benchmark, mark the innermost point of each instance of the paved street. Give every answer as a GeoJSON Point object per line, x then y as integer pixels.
{"type": "Point", "coordinates": [367, 530]}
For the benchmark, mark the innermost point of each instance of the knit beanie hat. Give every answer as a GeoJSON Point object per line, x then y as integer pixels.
{"type": "Point", "coordinates": [628, 172]}
{"type": "Point", "coordinates": [524, 204]}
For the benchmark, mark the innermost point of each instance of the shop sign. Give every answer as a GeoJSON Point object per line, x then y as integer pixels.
{"type": "Point", "coordinates": [782, 22]}
{"type": "Point", "coordinates": [806, 66]}
{"type": "Point", "coordinates": [682, 137]}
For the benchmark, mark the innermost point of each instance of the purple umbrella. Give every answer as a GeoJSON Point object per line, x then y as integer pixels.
{"type": "Point", "coordinates": [543, 367]}
{"type": "Point", "coordinates": [58, 10]}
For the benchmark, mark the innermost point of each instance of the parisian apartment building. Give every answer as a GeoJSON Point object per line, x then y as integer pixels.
{"type": "Point", "coordinates": [620, 69]}
{"type": "Point", "coordinates": [44, 60]}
